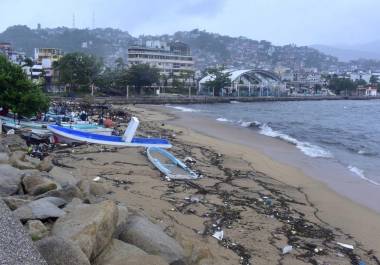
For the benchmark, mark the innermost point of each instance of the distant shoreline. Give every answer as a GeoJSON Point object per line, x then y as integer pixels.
{"type": "Point", "coordinates": [161, 100]}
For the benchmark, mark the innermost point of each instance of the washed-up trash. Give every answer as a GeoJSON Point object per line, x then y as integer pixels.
{"type": "Point", "coordinates": [287, 249]}
{"type": "Point", "coordinates": [218, 235]}
{"type": "Point", "coordinates": [190, 160]}
{"type": "Point", "coordinates": [96, 179]}
{"type": "Point", "coordinates": [346, 245]}
{"type": "Point", "coordinates": [361, 262]}
{"type": "Point", "coordinates": [10, 132]}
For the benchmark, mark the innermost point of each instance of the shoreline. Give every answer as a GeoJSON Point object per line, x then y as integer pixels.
{"type": "Point", "coordinates": [336, 209]}
{"type": "Point", "coordinates": [337, 176]}
{"type": "Point", "coordinates": [185, 100]}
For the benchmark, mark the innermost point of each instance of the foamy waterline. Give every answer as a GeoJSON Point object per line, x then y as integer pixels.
{"type": "Point", "coordinates": [360, 173]}
{"type": "Point", "coordinates": [183, 109]}
{"type": "Point", "coordinates": [307, 148]}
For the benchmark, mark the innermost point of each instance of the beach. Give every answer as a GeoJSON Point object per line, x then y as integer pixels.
{"type": "Point", "coordinates": [262, 205]}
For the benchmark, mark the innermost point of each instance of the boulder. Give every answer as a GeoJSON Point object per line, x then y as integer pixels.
{"type": "Point", "coordinates": [13, 143]}
{"type": "Point", "coordinates": [36, 184]}
{"type": "Point", "coordinates": [59, 251]}
{"type": "Point", "coordinates": [17, 159]}
{"type": "Point", "coordinates": [10, 179]}
{"type": "Point", "coordinates": [93, 188]}
{"type": "Point", "coordinates": [89, 226]}
{"type": "Point", "coordinates": [121, 221]}
{"type": "Point", "coordinates": [72, 205]}
{"type": "Point", "coordinates": [4, 157]}
{"type": "Point", "coordinates": [37, 230]}
{"type": "Point", "coordinates": [62, 176]}
{"type": "Point", "coordinates": [117, 249]}
{"type": "Point", "coordinates": [139, 260]}
{"type": "Point", "coordinates": [46, 164]}
{"type": "Point", "coordinates": [67, 193]}
{"type": "Point", "coordinates": [152, 239]}
{"type": "Point", "coordinates": [14, 202]}
{"type": "Point", "coordinates": [40, 209]}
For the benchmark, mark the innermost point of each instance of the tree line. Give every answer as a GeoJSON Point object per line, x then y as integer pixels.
{"type": "Point", "coordinates": [18, 93]}
{"type": "Point", "coordinates": [77, 72]}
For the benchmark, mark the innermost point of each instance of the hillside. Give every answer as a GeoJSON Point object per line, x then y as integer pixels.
{"type": "Point", "coordinates": [349, 53]}
{"type": "Point", "coordinates": [208, 49]}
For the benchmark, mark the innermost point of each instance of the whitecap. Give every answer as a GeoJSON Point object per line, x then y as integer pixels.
{"type": "Point", "coordinates": [307, 148]}
{"type": "Point", "coordinates": [222, 120]}
{"type": "Point", "coordinates": [183, 109]}
{"type": "Point", "coordinates": [359, 172]}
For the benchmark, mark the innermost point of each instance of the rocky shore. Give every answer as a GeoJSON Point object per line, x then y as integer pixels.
{"type": "Point", "coordinates": [98, 205]}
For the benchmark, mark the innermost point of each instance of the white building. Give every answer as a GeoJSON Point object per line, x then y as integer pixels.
{"type": "Point", "coordinates": [251, 82]}
{"type": "Point", "coordinates": [171, 59]}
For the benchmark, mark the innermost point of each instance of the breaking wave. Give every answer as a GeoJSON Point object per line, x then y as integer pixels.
{"type": "Point", "coordinates": [307, 148]}
{"type": "Point", "coordinates": [183, 109]}
{"type": "Point", "coordinates": [222, 120]}
{"type": "Point", "coordinates": [360, 173]}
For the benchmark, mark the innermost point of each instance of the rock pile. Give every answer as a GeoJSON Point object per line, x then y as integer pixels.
{"type": "Point", "coordinates": [70, 219]}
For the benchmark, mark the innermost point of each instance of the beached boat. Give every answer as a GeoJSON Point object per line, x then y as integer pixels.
{"type": "Point", "coordinates": [41, 127]}
{"type": "Point", "coordinates": [127, 140]}
{"type": "Point", "coordinates": [169, 165]}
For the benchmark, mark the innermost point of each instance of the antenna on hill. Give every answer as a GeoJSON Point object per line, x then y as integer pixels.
{"type": "Point", "coordinates": [73, 20]}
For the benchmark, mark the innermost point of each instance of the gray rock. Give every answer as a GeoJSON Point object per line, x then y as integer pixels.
{"type": "Point", "coordinates": [93, 188]}
{"type": "Point", "coordinates": [40, 209]}
{"type": "Point", "coordinates": [72, 205]}
{"type": "Point", "coordinates": [16, 246]}
{"type": "Point", "coordinates": [37, 230]}
{"type": "Point", "coordinates": [116, 250]}
{"type": "Point", "coordinates": [12, 143]}
{"type": "Point", "coordinates": [121, 221]}
{"type": "Point", "coordinates": [17, 159]}
{"type": "Point", "coordinates": [152, 239]}
{"type": "Point", "coordinates": [46, 164]}
{"type": "Point", "coordinates": [4, 157]}
{"type": "Point", "coordinates": [10, 179]}
{"type": "Point", "coordinates": [62, 176]}
{"type": "Point", "coordinates": [14, 202]}
{"type": "Point", "coordinates": [36, 184]}
{"type": "Point", "coordinates": [59, 251]}
{"type": "Point", "coordinates": [89, 226]}
{"type": "Point", "coordinates": [67, 193]}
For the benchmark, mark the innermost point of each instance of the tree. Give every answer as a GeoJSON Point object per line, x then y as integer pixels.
{"type": "Point", "coordinates": [141, 75]}
{"type": "Point", "coordinates": [341, 84]}
{"type": "Point", "coordinates": [374, 80]}
{"type": "Point", "coordinates": [18, 93]}
{"type": "Point", "coordinates": [78, 69]}
{"type": "Point", "coordinates": [220, 79]}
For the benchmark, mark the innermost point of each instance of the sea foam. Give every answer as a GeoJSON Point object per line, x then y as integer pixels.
{"type": "Point", "coordinates": [359, 172]}
{"type": "Point", "coordinates": [183, 109]}
{"type": "Point", "coordinates": [307, 148]}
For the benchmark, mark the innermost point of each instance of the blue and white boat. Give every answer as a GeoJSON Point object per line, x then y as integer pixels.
{"type": "Point", "coordinates": [127, 140]}
{"type": "Point", "coordinates": [169, 165]}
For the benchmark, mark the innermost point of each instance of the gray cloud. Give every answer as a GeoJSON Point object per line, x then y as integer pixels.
{"type": "Point", "coordinates": [279, 21]}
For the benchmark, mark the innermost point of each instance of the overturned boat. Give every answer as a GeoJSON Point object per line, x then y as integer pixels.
{"type": "Point", "coordinates": [169, 165]}
{"type": "Point", "coordinates": [69, 135]}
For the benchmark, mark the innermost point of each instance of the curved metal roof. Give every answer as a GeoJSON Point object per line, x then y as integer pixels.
{"type": "Point", "coordinates": [235, 74]}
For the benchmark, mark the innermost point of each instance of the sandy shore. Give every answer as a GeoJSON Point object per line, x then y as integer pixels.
{"type": "Point", "coordinates": [260, 204]}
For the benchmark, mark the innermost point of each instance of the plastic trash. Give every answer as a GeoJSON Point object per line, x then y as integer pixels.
{"type": "Point", "coordinates": [10, 132]}
{"type": "Point", "coordinates": [218, 235]}
{"type": "Point", "coordinates": [362, 263]}
{"type": "Point", "coordinates": [96, 179]}
{"type": "Point", "coordinates": [287, 249]}
{"type": "Point", "coordinates": [346, 245]}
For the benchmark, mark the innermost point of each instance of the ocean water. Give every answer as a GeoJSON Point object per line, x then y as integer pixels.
{"type": "Point", "coordinates": [347, 132]}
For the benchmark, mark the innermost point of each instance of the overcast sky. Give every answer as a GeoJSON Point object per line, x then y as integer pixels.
{"type": "Point", "coordinates": [279, 21]}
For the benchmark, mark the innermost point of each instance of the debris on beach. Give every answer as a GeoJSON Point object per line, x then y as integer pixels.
{"type": "Point", "coordinates": [96, 179]}
{"type": "Point", "coordinates": [347, 246]}
{"type": "Point", "coordinates": [287, 249]}
{"type": "Point", "coordinates": [218, 235]}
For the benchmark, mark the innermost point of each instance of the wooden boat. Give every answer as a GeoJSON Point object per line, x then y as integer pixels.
{"type": "Point", "coordinates": [127, 140]}
{"type": "Point", "coordinates": [169, 165]}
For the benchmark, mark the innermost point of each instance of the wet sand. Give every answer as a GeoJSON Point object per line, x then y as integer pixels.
{"type": "Point", "coordinates": [260, 204]}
